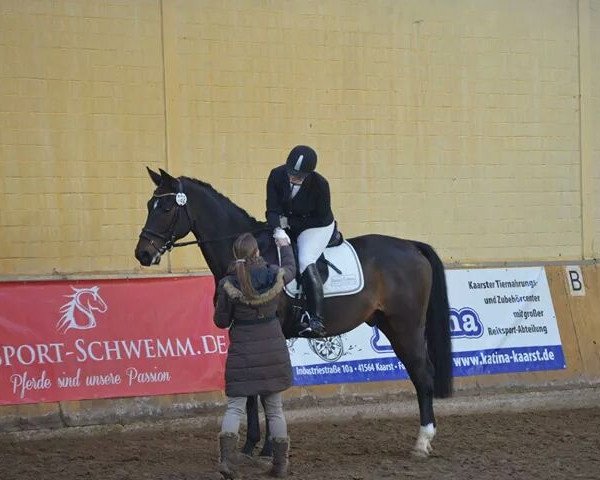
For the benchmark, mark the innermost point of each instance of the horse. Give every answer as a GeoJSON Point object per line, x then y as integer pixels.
{"type": "Point", "coordinates": [404, 292]}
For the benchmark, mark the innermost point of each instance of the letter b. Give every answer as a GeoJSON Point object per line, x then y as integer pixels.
{"type": "Point", "coordinates": [575, 280]}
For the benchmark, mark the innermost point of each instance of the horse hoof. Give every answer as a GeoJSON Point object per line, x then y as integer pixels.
{"type": "Point", "coordinates": [253, 462]}
{"type": "Point", "coordinates": [423, 448]}
{"type": "Point", "coordinates": [420, 453]}
{"type": "Point", "coordinates": [248, 449]}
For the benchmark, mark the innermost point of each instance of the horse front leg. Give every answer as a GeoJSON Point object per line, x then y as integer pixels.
{"type": "Point", "coordinates": [253, 431]}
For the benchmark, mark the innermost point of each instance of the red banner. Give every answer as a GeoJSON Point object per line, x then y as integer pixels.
{"type": "Point", "coordinates": [110, 338]}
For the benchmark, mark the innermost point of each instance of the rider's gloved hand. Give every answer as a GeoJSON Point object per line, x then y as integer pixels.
{"type": "Point", "coordinates": [281, 238]}
{"type": "Point", "coordinates": [283, 222]}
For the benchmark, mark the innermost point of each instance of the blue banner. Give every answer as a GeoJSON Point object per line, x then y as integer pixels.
{"type": "Point", "coordinates": [486, 362]}
{"type": "Point", "coordinates": [501, 321]}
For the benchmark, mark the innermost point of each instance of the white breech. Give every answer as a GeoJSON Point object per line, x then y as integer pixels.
{"type": "Point", "coordinates": [312, 243]}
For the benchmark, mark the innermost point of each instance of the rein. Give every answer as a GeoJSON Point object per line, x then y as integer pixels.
{"type": "Point", "coordinates": [219, 239]}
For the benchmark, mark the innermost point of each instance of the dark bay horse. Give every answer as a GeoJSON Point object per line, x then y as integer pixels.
{"type": "Point", "coordinates": [404, 295]}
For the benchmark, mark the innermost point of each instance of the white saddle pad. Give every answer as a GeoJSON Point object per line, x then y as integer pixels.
{"type": "Point", "coordinates": [349, 282]}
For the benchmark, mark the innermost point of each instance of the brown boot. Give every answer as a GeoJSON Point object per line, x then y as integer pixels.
{"type": "Point", "coordinates": [227, 455]}
{"type": "Point", "coordinates": [281, 447]}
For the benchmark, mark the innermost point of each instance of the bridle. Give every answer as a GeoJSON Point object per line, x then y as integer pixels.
{"type": "Point", "coordinates": [169, 238]}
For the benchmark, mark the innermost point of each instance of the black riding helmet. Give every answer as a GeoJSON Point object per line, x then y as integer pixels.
{"type": "Point", "coordinates": [301, 161]}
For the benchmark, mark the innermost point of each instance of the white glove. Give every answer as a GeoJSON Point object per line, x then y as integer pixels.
{"type": "Point", "coordinates": [283, 222]}
{"type": "Point", "coordinates": [281, 238]}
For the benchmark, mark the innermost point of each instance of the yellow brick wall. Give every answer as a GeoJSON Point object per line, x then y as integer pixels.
{"type": "Point", "coordinates": [455, 123]}
{"type": "Point", "coordinates": [457, 126]}
{"type": "Point", "coordinates": [81, 113]}
{"type": "Point", "coordinates": [593, 125]}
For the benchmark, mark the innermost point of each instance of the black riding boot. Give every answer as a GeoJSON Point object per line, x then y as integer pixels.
{"type": "Point", "coordinates": [313, 287]}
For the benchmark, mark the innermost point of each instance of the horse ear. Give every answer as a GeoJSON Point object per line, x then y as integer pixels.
{"type": "Point", "coordinates": [156, 178]}
{"type": "Point", "coordinates": [168, 180]}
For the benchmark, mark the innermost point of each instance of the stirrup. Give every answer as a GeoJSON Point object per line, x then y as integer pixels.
{"type": "Point", "coordinates": [311, 330]}
{"type": "Point", "coordinates": [304, 329]}
{"type": "Point", "coordinates": [305, 332]}
{"type": "Point", "coordinates": [319, 329]}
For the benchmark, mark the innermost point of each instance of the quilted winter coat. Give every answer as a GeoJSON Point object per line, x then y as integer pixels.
{"type": "Point", "coordinates": [258, 361]}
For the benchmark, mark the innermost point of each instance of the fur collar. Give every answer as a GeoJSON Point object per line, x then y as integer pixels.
{"type": "Point", "coordinates": [236, 294]}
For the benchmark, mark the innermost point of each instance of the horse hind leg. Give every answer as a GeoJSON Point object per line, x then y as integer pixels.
{"type": "Point", "coordinates": [423, 446]}
{"type": "Point", "coordinates": [411, 348]}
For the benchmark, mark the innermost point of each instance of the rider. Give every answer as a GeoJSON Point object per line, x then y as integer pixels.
{"type": "Point", "coordinates": [298, 200]}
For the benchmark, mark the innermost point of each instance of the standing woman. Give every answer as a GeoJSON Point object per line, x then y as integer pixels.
{"type": "Point", "coordinates": [258, 360]}
{"type": "Point", "coordinates": [298, 199]}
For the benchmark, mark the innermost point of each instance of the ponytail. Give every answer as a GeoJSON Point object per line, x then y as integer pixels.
{"type": "Point", "coordinates": [245, 250]}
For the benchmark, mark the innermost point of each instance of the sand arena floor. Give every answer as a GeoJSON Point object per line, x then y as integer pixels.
{"type": "Point", "coordinates": [539, 435]}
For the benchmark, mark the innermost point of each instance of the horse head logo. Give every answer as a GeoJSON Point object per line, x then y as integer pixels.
{"type": "Point", "coordinates": [78, 312]}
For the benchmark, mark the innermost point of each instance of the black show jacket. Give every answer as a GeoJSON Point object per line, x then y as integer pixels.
{"type": "Point", "coordinates": [310, 208]}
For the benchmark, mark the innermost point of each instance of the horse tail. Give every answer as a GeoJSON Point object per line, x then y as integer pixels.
{"type": "Point", "coordinates": [437, 329]}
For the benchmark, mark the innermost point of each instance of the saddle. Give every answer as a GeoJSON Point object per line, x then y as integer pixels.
{"type": "Point", "coordinates": [339, 266]}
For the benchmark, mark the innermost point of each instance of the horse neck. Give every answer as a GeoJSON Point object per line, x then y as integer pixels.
{"type": "Point", "coordinates": [216, 222]}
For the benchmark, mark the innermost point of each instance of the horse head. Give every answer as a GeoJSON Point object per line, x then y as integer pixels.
{"type": "Point", "coordinates": [182, 205]}
{"type": "Point", "coordinates": [168, 219]}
